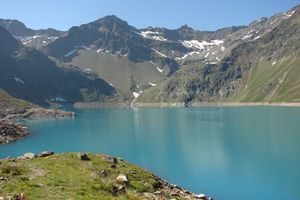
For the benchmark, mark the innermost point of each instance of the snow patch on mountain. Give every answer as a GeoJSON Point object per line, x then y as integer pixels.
{"type": "Point", "coordinates": [206, 55]}
{"type": "Point", "coordinates": [71, 52]}
{"type": "Point", "coordinates": [153, 35]}
{"type": "Point", "coordinates": [58, 99]}
{"type": "Point", "coordinates": [159, 53]}
{"type": "Point", "coordinates": [190, 54]}
{"type": "Point", "coordinates": [257, 37]}
{"type": "Point", "coordinates": [135, 94]}
{"type": "Point", "coordinates": [159, 69]}
{"type": "Point", "coordinates": [18, 80]}
{"type": "Point", "coordinates": [248, 35]}
{"type": "Point", "coordinates": [99, 50]}
{"type": "Point", "coordinates": [195, 44]}
{"type": "Point", "coordinates": [290, 14]}
{"type": "Point", "coordinates": [152, 84]}
{"type": "Point", "coordinates": [75, 49]}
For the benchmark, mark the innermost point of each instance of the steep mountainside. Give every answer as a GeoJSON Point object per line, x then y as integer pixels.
{"type": "Point", "coordinates": [258, 62]}
{"type": "Point", "coordinates": [261, 66]}
{"type": "Point", "coordinates": [132, 60]}
{"type": "Point", "coordinates": [28, 74]}
{"type": "Point", "coordinates": [30, 37]}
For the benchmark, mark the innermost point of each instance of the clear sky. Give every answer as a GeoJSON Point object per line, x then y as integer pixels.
{"type": "Point", "coordinates": [199, 14]}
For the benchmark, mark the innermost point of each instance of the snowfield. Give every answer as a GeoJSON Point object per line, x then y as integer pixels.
{"type": "Point", "coordinates": [153, 36]}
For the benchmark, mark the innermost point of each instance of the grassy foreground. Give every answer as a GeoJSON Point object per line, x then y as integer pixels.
{"type": "Point", "coordinates": [65, 176]}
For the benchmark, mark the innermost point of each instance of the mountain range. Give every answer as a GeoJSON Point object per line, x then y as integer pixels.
{"type": "Point", "coordinates": [110, 61]}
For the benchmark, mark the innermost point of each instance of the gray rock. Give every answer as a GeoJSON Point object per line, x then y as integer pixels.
{"type": "Point", "coordinates": [112, 159]}
{"type": "Point", "coordinates": [27, 156]}
{"type": "Point", "coordinates": [122, 179]}
{"type": "Point", "coordinates": [46, 153]}
{"type": "Point", "coordinates": [115, 160]}
{"type": "Point", "coordinates": [103, 173]}
{"type": "Point", "coordinates": [201, 196]}
{"type": "Point", "coordinates": [113, 166]}
{"type": "Point", "coordinates": [3, 178]}
{"type": "Point", "coordinates": [118, 189]}
{"type": "Point", "coordinates": [83, 156]}
{"type": "Point", "coordinates": [158, 192]}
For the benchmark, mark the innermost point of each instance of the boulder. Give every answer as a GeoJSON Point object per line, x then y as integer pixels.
{"type": "Point", "coordinates": [122, 179]}
{"type": "Point", "coordinates": [201, 196]}
{"type": "Point", "coordinates": [20, 196]}
{"type": "Point", "coordinates": [118, 189]}
{"type": "Point", "coordinates": [150, 196]}
{"type": "Point", "coordinates": [83, 156]}
{"type": "Point", "coordinates": [158, 192]}
{"type": "Point", "coordinates": [113, 166]}
{"type": "Point", "coordinates": [103, 173]}
{"type": "Point", "coordinates": [27, 156]}
{"type": "Point", "coordinates": [158, 185]}
{"type": "Point", "coordinates": [115, 160]}
{"type": "Point", "coordinates": [112, 159]}
{"type": "Point", "coordinates": [46, 153]}
{"type": "Point", "coordinates": [3, 178]}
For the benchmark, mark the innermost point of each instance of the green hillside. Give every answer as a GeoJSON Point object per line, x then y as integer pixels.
{"type": "Point", "coordinates": [65, 176]}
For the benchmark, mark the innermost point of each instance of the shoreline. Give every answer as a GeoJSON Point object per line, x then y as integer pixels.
{"type": "Point", "coordinates": [217, 104]}
{"type": "Point", "coordinates": [95, 105]}
{"type": "Point", "coordinates": [10, 130]}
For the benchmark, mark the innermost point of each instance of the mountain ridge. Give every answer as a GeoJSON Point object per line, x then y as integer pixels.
{"type": "Point", "coordinates": [218, 82]}
{"type": "Point", "coordinates": [182, 65]}
{"type": "Point", "coordinates": [28, 74]}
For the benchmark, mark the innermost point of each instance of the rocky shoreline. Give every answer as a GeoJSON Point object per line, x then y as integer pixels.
{"type": "Point", "coordinates": [216, 104]}
{"type": "Point", "coordinates": [37, 113]}
{"type": "Point", "coordinates": [11, 131]}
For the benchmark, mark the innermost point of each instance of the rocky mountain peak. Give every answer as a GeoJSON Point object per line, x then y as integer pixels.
{"type": "Point", "coordinates": [15, 27]}
{"type": "Point", "coordinates": [111, 23]}
{"type": "Point", "coordinates": [185, 27]}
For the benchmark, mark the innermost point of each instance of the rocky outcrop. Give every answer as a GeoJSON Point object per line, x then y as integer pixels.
{"type": "Point", "coordinates": [83, 156]}
{"type": "Point", "coordinates": [35, 113]}
{"type": "Point", "coordinates": [10, 131]}
{"type": "Point", "coordinates": [46, 154]}
{"type": "Point", "coordinates": [27, 156]}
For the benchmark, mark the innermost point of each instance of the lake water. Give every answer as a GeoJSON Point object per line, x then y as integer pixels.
{"type": "Point", "coordinates": [227, 153]}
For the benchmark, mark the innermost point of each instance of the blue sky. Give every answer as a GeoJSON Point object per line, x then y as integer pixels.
{"type": "Point", "coordinates": [199, 14]}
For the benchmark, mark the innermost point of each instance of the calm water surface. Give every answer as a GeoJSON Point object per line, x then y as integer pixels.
{"type": "Point", "coordinates": [228, 153]}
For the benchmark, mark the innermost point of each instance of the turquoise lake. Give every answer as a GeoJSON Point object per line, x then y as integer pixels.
{"type": "Point", "coordinates": [229, 153]}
